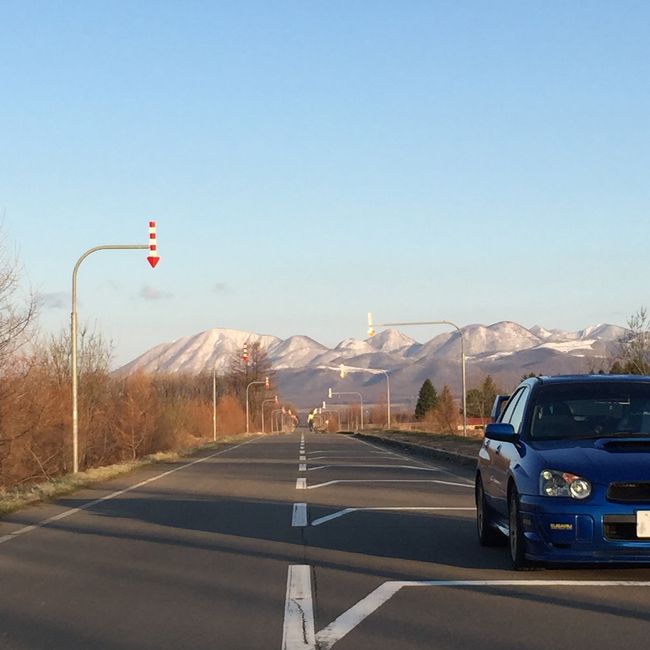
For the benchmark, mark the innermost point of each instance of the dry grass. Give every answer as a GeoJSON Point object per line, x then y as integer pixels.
{"type": "Point", "coordinates": [18, 497]}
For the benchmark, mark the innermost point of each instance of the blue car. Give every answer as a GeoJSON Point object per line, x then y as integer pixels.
{"type": "Point", "coordinates": [564, 473]}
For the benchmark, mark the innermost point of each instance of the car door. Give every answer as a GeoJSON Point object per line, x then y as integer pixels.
{"type": "Point", "coordinates": [504, 454]}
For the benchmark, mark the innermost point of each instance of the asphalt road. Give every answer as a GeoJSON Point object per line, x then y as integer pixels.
{"type": "Point", "coordinates": [277, 544]}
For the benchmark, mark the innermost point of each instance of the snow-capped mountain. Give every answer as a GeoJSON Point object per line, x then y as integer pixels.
{"type": "Point", "coordinates": [505, 350]}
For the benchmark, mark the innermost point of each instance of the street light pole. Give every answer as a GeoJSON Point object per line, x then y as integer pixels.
{"type": "Point", "coordinates": [252, 383]}
{"type": "Point", "coordinates": [73, 343]}
{"type": "Point", "coordinates": [462, 353]}
{"type": "Point", "coordinates": [266, 401]}
{"type": "Point", "coordinates": [351, 393]}
{"type": "Point", "coordinates": [343, 369]}
{"type": "Point", "coordinates": [214, 403]}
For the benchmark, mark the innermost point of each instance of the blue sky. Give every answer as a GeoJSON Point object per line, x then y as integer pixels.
{"type": "Point", "coordinates": [310, 161]}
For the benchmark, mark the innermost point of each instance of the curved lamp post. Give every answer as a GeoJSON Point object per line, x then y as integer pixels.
{"type": "Point", "coordinates": [332, 393]}
{"type": "Point", "coordinates": [343, 370]}
{"type": "Point", "coordinates": [252, 383]}
{"type": "Point", "coordinates": [371, 332]}
{"type": "Point", "coordinates": [73, 339]}
{"type": "Point", "coordinates": [267, 401]}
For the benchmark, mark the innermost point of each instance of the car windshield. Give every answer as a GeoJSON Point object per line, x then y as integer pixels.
{"type": "Point", "coordinates": [591, 410]}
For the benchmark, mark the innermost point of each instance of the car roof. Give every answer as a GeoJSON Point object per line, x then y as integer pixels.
{"type": "Point", "coordinates": [582, 379]}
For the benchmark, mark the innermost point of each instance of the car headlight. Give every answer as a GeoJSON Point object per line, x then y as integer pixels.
{"type": "Point", "coordinates": [563, 484]}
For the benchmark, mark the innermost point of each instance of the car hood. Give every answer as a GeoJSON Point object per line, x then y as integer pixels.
{"type": "Point", "coordinates": [602, 460]}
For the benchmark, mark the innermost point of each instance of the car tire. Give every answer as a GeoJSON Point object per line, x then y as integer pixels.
{"type": "Point", "coordinates": [516, 539]}
{"type": "Point", "coordinates": [487, 534]}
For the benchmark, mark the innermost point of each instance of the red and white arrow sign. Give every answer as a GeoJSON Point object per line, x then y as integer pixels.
{"type": "Point", "coordinates": [153, 258]}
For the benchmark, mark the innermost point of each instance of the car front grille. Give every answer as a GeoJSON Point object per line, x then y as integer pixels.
{"type": "Point", "coordinates": [629, 492]}
{"type": "Point", "coordinates": [620, 528]}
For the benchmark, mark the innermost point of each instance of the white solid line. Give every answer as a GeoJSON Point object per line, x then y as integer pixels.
{"type": "Point", "coordinates": [298, 630]}
{"type": "Point", "coordinates": [388, 480]}
{"type": "Point", "coordinates": [302, 467]}
{"type": "Point", "coordinates": [345, 623]}
{"type": "Point", "coordinates": [346, 457]}
{"type": "Point", "coordinates": [360, 465]}
{"type": "Point", "coordinates": [113, 495]}
{"type": "Point", "coordinates": [347, 511]}
{"type": "Point", "coordinates": [446, 471]}
{"type": "Point", "coordinates": [301, 484]}
{"type": "Point", "coordinates": [299, 517]}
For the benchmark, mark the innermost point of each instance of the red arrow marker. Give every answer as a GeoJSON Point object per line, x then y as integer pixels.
{"type": "Point", "coordinates": [153, 258]}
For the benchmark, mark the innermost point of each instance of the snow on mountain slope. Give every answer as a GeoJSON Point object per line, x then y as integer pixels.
{"type": "Point", "coordinates": [505, 349]}
{"type": "Point", "coordinates": [390, 340]}
{"type": "Point", "coordinates": [195, 354]}
{"type": "Point", "coordinates": [295, 352]}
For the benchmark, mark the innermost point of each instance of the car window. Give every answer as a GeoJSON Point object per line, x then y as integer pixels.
{"type": "Point", "coordinates": [586, 410]}
{"type": "Point", "coordinates": [517, 414]}
{"type": "Point", "coordinates": [512, 404]}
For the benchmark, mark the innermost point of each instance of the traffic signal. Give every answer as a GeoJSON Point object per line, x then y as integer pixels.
{"type": "Point", "coordinates": [244, 354]}
{"type": "Point", "coordinates": [266, 383]}
{"type": "Point", "coordinates": [343, 371]}
{"type": "Point", "coordinates": [329, 393]}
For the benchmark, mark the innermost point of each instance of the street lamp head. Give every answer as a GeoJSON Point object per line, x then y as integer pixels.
{"type": "Point", "coordinates": [371, 327]}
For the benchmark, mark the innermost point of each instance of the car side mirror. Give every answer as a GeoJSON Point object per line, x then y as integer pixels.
{"type": "Point", "coordinates": [501, 431]}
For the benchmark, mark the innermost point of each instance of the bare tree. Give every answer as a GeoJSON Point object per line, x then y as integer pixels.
{"type": "Point", "coordinates": [16, 316]}
{"type": "Point", "coordinates": [634, 346]}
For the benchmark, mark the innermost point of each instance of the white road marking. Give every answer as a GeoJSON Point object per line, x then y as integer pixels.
{"type": "Point", "coordinates": [299, 613]}
{"type": "Point", "coordinates": [302, 458]}
{"type": "Point", "coordinates": [340, 457]}
{"type": "Point", "coordinates": [379, 480]}
{"type": "Point", "coordinates": [298, 630]}
{"type": "Point", "coordinates": [299, 517]}
{"type": "Point", "coordinates": [113, 495]}
{"type": "Point", "coordinates": [301, 484]}
{"type": "Point", "coordinates": [446, 471]}
{"type": "Point", "coordinates": [347, 511]}
{"type": "Point", "coordinates": [420, 469]}
{"type": "Point", "coordinates": [302, 467]}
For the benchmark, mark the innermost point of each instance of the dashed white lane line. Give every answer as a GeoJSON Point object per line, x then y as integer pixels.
{"type": "Point", "coordinates": [379, 480]}
{"type": "Point", "coordinates": [299, 517]}
{"type": "Point", "coordinates": [347, 511]}
{"type": "Point", "coordinates": [298, 631]}
{"type": "Point", "coordinates": [301, 484]}
{"type": "Point", "coordinates": [113, 495]}
{"type": "Point", "coordinates": [302, 458]}
{"type": "Point", "coordinates": [302, 467]}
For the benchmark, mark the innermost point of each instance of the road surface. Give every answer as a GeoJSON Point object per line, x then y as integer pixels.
{"type": "Point", "coordinates": [299, 541]}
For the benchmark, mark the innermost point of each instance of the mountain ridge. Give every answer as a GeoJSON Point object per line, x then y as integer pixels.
{"type": "Point", "coordinates": [505, 350]}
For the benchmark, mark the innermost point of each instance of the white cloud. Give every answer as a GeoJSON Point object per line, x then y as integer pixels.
{"type": "Point", "coordinates": [150, 293]}
{"type": "Point", "coordinates": [54, 300]}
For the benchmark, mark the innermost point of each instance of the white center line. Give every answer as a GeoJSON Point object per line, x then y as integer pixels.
{"type": "Point", "coordinates": [301, 484]}
{"type": "Point", "coordinates": [298, 632]}
{"type": "Point", "coordinates": [299, 517]}
{"type": "Point", "coordinates": [302, 467]}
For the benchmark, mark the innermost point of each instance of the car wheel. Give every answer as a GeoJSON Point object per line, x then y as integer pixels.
{"type": "Point", "coordinates": [517, 542]}
{"type": "Point", "coordinates": [487, 534]}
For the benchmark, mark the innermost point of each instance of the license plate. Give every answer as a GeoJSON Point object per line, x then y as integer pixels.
{"type": "Point", "coordinates": [643, 523]}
